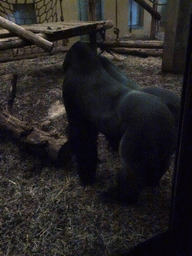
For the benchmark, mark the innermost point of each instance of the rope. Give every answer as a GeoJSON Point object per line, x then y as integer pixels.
{"type": "Point", "coordinates": [62, 17]}
{"type": "Point", "coordinates": [116, 12]}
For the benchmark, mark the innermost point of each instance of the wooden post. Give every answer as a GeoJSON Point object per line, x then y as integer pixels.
{"type": "Point", "coordinates": [27, 35]}
{"type": "Point", "coordinates": [92, 10]}
{"type": "Point", "coordinates": [176, 33]}
{"type": "Point", "coordinates": [153, 21]}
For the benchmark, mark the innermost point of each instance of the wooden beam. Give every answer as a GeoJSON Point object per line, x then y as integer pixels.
{"type": "Point", "coordinates": [133, 44]}
{"type": "Point", "coordinates": [26, 35]}
{"type": "Point", "coordinates": [176, 33]}
{"type": "Point", "coordinates": [148, 8]}
{"type": "Point", "coordinates": [153, 21]}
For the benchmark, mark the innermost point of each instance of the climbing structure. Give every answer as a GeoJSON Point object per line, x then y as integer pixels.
{"type": "Point", "coordinates": [27, 12]}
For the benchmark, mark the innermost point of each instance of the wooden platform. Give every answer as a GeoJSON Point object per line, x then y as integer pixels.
{"type": "Point", "coordinates": [54, 31]}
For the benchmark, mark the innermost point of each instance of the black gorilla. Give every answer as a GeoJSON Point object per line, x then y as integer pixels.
{"type": "Point", "coordinates": [141, 123]}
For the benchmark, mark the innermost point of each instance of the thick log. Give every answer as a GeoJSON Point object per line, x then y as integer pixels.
{"type": "Point", "coordinates": [16, 42]}
{"type": "Point", "coordinates": [143, 53]}
{"type": "Point", "coordinates": [148, 8]}
{"type": "Point", "coordinates": [133, 44]}
{"type": "Point", "coordinates": [27, 35]}
{"type": "Point", "coordinates": [41, 143]}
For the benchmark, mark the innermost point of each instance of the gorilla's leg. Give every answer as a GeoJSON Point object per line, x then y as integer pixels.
{"type": "Point", "coordinates": [117, 74]}
{"type": "Point", "coordinates": [147, 144]}
{"type": "Point", "coordinates": [83, 138]}
{"type": "Point", "coordinates": [146, 168]}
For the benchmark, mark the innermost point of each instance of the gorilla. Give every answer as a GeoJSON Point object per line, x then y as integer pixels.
{"type": "Point", "coordinates": [140, 123]}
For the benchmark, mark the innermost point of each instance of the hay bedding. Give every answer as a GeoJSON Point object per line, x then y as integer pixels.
{"type": "Point", "coordinates": [44, 210]}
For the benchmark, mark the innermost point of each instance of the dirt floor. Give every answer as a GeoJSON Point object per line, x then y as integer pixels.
{"type": "Point", "coordinates": [43, 209]}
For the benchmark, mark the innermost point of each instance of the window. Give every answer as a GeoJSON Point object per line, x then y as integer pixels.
{"type": "Point", "coordinates": [83, 9]}
{"type": "Point", "coordinates": [24, 14]}
{"type": "Point", "coordinates": [135, 19]}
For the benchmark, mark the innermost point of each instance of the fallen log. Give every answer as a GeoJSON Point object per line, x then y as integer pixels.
{"type": "Point", "coordinates": [132, 44]}
{"type": "Point", "coordinates": [27, 35]}
{"type": "Point", "coordinates": [41, 143]}
{"type": "Point", "coordinates": [144, 53]}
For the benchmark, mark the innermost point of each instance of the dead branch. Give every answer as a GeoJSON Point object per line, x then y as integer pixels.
{"type": "Point", "coordinates": [12, 92]}
{"type": "Point", "coordinates": [41, 143]}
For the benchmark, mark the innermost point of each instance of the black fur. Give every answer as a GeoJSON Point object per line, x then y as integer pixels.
{"type": "Point", "coordinates": [169, 98]}
{"type": "Point", "coordinates": [140, 123]}
{"type": "Point", "coordinates": [117, 74]}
